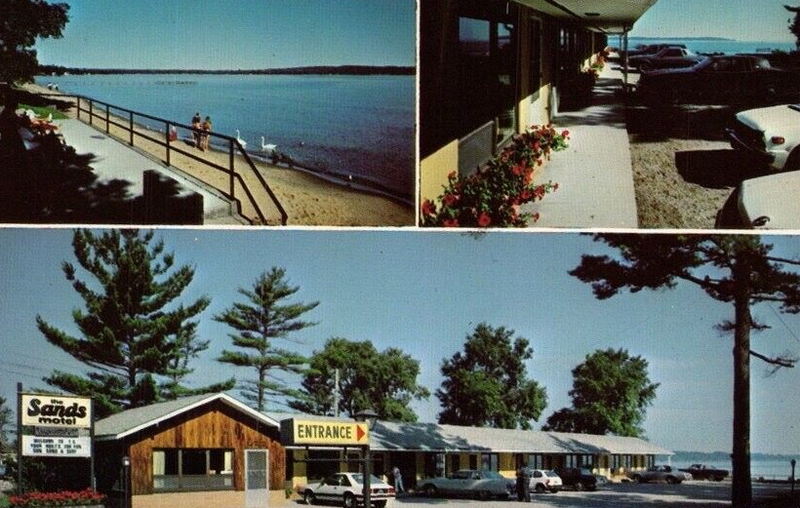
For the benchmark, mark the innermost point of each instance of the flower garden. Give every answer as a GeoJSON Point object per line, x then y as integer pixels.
{"type": "Point", "coordinates": [86, 497]}
{"type": "Point", "coordinates": [492, 196]}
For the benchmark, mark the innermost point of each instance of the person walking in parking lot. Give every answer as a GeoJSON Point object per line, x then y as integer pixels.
{"type": "Point", "coordinates": [523, 484]}
{"type": "Point", "coordinates": [398, 480]}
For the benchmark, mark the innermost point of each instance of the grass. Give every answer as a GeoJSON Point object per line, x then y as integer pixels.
{"type": "Point", "coordinates": [42, 111]}
{"type": "Point", "coordinates": [4, 501]}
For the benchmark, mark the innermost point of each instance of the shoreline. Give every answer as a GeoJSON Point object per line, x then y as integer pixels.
{"type": "Point", "coordinates": [309, 198]}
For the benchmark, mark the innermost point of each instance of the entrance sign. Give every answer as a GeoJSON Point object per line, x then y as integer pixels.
{"type": "Point", "coordinates": [56, 411]}
{"type": "Point", "coordinates": [324, 432]}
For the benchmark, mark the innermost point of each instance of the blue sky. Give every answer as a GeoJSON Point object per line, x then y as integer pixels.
{"type": "Point", "coordinates": [424, 292]}
{"type": "Point", "coordinates": [243, 34]}
{"type": "Point", "coordinates": [751, 20]}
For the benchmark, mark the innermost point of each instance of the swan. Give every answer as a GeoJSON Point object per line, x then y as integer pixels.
{"type": "Point", "coordinates": [240, 140]}
{"type": "Point", "coordinates": [267, 147]}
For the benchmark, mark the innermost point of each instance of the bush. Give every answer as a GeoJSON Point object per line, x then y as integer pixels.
{"type": "Point", "coordinates": [492, 196]}
{"type": "Point", "coordinates": [63, 498]}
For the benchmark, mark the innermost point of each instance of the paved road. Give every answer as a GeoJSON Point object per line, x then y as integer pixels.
{"type": "Point", "coordinates": [695, 494]}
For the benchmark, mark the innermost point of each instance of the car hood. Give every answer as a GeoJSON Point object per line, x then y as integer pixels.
{"type": "Point", "coordinates": [670, 72]}
{"type": "Point", "coordinates": [772, 200]}
{"type": "Point", "coordinates": [771, 118]}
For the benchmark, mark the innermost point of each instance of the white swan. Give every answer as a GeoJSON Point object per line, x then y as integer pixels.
{"type": "Point", "coordinates": [267, 147]}
{"type": "Point", "coordinates": [240, 140]}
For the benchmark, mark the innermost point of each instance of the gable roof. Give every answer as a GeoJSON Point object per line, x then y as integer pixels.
{"type": "Point", "coordinates": [133, 420]}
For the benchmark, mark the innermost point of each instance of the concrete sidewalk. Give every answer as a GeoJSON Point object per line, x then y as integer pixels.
{"type": "Point", "coordinates": [594, 174]}
{"type": "Point", "coordinates": [116, 160]}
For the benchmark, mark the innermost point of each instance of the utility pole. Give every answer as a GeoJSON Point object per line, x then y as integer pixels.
{"type": "Point", "coordinates": [336, 393]}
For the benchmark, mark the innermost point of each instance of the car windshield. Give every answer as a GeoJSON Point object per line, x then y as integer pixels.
{"type": "Point", "coordinates": [551, 474]}
{"type": "Point", "coordinates": [359, 478]}
{"type": "Point", "coordinates": [491, 475]}
{"type": "Point", "coordinates": [586, 471]}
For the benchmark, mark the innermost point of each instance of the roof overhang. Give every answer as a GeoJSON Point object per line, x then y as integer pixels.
{"type": "Point", "coordinates": [224, 398]}
{"type": "Point", "coordinates": [609, 16]}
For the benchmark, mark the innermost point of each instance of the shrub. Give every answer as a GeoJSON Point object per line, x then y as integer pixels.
{"type": "Point", "coordinates": [63, 498]}
{"type": "Point", "coordinates": [492, 196]}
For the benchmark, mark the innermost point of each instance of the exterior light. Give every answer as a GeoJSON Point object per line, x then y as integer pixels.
{"type": "Point", "coordinates": [367, 416]}
{"type": "Point", "coordinates": [778, 140]}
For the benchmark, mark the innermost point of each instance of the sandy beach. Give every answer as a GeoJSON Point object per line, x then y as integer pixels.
{"type": "Point", "coordinates": [308, 199]}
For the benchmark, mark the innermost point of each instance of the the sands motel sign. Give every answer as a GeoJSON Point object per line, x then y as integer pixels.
{"type": "Point", "coordinates": [55, 426]}
{"type": "Point", "coordinates": [324, 432]}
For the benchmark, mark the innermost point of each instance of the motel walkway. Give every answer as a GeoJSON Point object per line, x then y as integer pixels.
{"type": "Point", "coordinates": [114, 159]}
{"type": "Point", "coordinates": [594, 175]}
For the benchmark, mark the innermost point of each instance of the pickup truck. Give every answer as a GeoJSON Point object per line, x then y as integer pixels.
{"type": "Point", "coordinates": [704, 472]}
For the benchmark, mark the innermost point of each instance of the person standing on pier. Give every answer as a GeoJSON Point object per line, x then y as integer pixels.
{"type": "Point", "coordinates": [196, 129]}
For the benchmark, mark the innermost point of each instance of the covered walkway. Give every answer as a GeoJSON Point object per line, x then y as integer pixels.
{"type": "Point", "coordinates": [594, 174]}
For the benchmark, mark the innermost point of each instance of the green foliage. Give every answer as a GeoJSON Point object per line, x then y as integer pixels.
{"type": "Point", "coordinates": [492, 196]}
{"type": "Point", "coordinates": [23, 21]}
{"type": "Point", "coordinates": [130, 328]}
{"type": "Point", "coordinates": [385, 382]}
{"type": "Point", "coordinates": [187, 347]}
{"type": "Point", "coordinates": [487, 384]}
{"type": "Point", "coordinates": [43, 111]}
{"type": "Point", "coordinates": [610, 394]}
{"type": "Point", "coordinates": [5, 422]}
{"type": "Point", "coordinates": [258, 322]}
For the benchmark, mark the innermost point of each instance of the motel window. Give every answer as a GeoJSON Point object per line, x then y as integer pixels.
{"type": "Point", "coordinates": [535, 461]}
{"type": "Point", "coordinates": [473, 462]}
{"type": "Point", "coordinates": [615, 462]}
{"type": "Point", "coordinates": [192, 469]}
{"type": "Point", "coordinates": [535, 60]}
{"type": "Point", "coordinates": [587, 460]}
{"type": "Point", "coordinates": [455, 464]}
{"type": "Point", "coordinates": [317, 470]}
{"type": "Point", "coordinates": [487, 70]}
{"type": "Point", "coordinates": [490, 462]}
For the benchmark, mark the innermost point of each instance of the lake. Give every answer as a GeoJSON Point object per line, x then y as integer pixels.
{"type": "Point", "coordinates": [714, 45]}
{"type": "Point", "coordinates": [359, 125]}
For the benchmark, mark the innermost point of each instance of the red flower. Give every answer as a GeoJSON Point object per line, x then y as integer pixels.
{"type": "Point", "coordinates": [528, 178]}
{"type": "Point", "coordinates": [428, 208]}
{"type": "Point", "coordinates": [451, 175]}
{"type": "Point", "coordinates": [518, 169]}
{"type": "Point", "coordinates": [555, 186]}
{"type": "Point", "coordinates": [449, 199]}
{"type": "Point", "coordinates": [484, 220]}
{"type": "Point", "coordinates": [535, 217]}
{"type": "Point", "coordinates": [450, 223]}
{"type": "Point", "coordinates": [565, 133]}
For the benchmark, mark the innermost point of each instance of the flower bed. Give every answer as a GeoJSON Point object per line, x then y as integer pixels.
{"type": "Point", "coordinates": [492, 196]}
{"type": "Point", "coordinates": [84, 498]}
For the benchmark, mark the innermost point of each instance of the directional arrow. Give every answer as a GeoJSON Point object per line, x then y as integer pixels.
{"type": "Point", "coordinates": [360, 433]}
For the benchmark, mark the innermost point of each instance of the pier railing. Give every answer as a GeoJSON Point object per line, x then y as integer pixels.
{"type": "Point", "coordinates": [106, 115]}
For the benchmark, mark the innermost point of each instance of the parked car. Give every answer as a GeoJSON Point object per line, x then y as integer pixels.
{"type": "Point", "coordinates": [348, 489]}
{"type": "Point", "coordinates": [723, 79]}
{"type": "Point", "coordinates": [704, 472]}
{"type": "Point", "coordinates": [578, 478]}
{"type": "Point", "coordinates": [470, 483]}
{"type": "Point", "coordinates": [651, 49]}
{"type": "Point", "coordinates": [769, 135]}
{"type": "Point", "coordinates": [666, 474]}
{"type": "Point", "coordinates": [767, 202]}
{"type": "Point", "coordinates": [667, 58]}
{"type": "Point", "coordinates": [542, 480]}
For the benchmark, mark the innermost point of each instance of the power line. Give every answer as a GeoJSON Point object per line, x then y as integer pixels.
{"type": "Point", "coordinates": [780, 318]}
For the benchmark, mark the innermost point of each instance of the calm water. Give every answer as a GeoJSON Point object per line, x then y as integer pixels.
{"type": "Point", "coordinates": [716, 46]}
{"type": "Point", "coordinates": [360, 125]}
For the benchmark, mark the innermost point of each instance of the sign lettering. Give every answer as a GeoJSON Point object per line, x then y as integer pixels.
{"type": "Point", "coordinates": [324, 432]}
{"type": "Point", "coordinates": [56, 411]}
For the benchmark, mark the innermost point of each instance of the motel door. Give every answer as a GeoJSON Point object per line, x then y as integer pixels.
{"type": "Point", "coordinates": [256, 478]}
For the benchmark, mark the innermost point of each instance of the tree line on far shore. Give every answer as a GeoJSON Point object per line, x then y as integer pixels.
{"type": "Point", "coordinates": [359, 70]}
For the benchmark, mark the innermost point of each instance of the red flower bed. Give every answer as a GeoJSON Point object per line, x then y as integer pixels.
{"type": "Point", "coordinates": [63, 498]}
{"type": "Point", "coordinates": [492, 196]}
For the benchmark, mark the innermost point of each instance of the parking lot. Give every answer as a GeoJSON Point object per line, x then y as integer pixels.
{"type": "Point", "coordinates": [695, 494]}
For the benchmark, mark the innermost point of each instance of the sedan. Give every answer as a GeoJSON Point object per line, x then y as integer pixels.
{"type": "Point", "coordinates": [348, 489]}
{"type": "Point", "coordinates": [666, 474]}
{"type": "Point", "coordinates": [720, 80]}
{"type": "Point", "coordinates": [471, 483]}
{"type": "Point", "coordinates": [769, 135]}
{"type": "Point", "coordinates": [666, 58]}
{"type": "Point", "coordinates": [767, 202]}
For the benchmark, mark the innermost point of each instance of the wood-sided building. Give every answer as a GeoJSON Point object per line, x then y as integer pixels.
{"type": "Point", "coordinates": [491, 68]}
{"type": "Point", "coordinates": [199, 443]}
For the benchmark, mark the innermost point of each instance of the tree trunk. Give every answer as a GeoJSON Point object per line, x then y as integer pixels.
{"type": "Point", "coordinates": [262, 374]}
{"type": "Point", "coordinates": [741, 491]}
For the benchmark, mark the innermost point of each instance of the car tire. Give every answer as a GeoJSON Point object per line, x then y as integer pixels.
{"type": "Point", "coordinates": [636, 478]}
{"type": "Point", "coordinates": [793, 162]}
{"type": "Point", "coordinates": [645, 67]}
{"type": "Point", "coordinates": [483, 495]}
{"type": "Point", "coordinates": [380, 504]}
{"type": "Point", "coordinates": [579, 486]}
{"type": "Point", "coordinates": [349, 500]}
{"type": "Point", "coordinates": [430, 490]}
{"type": "Point", "coordinates": [539, 488]}
{"type": "Point", "coordinates": [309, 497]}
{"type": "Point", "coordinates": [672, 480]}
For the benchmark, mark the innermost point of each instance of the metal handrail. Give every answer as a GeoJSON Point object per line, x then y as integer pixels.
{"type": "Point", "coordinates": [233, 146]}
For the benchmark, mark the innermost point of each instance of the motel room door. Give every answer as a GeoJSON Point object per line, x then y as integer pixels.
{"type": "Point", "coordinates": [256, 478]}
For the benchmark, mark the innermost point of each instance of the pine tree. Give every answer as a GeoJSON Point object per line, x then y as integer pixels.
{"type": "Point", "coordinates": [130, 321]}
{"type": "Point", "coordinates": [738, 270]}
{"type": "Point", "coordinates": [187, 346]}
{"type": "Point", "coordinates": [794, 23]}
{"type": "Point", "coordinates": [5, 421]}
{"type": "Point", "coordinates": [258, 323]}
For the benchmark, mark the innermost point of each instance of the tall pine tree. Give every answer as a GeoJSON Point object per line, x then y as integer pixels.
{"type": "Point", "coordinates": [131, 319]}
{"type": "Point", "coordinates": [257, 323]}
{"type": "Point", "coordinates": [188, 346]}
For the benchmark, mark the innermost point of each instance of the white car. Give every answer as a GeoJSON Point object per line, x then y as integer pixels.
{"type": "Point", "coordinates": [347, 489]}
{"type": "Point", "coordinates": [771, 135]}
{"type": "Point", "coordinates": [544, 480]}
{"type": "Point", "coordinates": [767, 202]}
